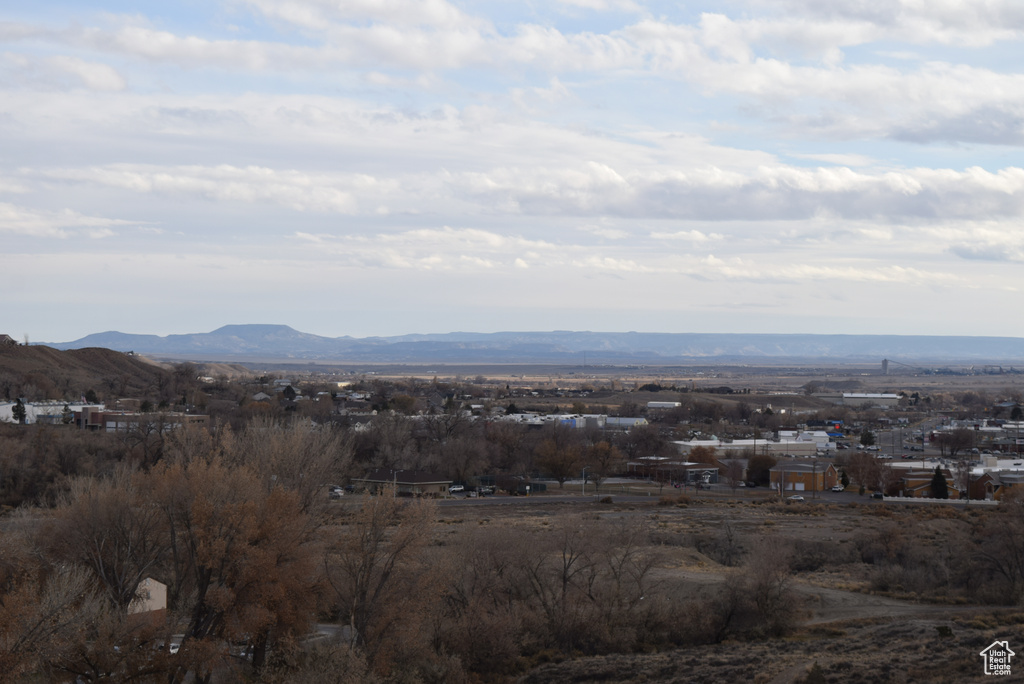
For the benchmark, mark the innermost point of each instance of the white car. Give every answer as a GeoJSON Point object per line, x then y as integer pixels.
{"type": "Point", "coordinates": [796, 497]}
{"type": "Point", "coordinates": [456, 488]}
{"type": "Point", "coordinates": [838, 488]}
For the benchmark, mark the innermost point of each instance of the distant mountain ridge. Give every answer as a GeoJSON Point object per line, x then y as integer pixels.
{"type": "Point", "coordinates": [238, 342]}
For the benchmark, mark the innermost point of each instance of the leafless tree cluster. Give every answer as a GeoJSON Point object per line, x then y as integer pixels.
{"type": "Point", "coordinates": [980, 559]}
{"type": "Point", "coordinates": [230, 524]}
{"type": "Point", "coordinates": [581, 585]}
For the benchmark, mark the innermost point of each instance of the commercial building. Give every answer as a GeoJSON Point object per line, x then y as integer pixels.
{"type": "Point", "coordinates": [800, 476]}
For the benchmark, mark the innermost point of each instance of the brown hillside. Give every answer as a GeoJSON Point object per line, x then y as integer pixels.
{"type": "Point", "coordinates": [38, 372]}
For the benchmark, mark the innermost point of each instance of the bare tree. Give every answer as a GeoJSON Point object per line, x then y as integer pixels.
{"type": "Point", "coordinates": [703, 454]}
{"type": "Point", "coordinates": [768, 581]}
{"type": "Point", "coordinates": [114, 647]}
{"type": "Point", "coordinates": [559, 453]}
{"type": "Point", "coordinates": [629, 562]}
{"type": "Point", "coordinates": [445, 425]}
{"type": "Point", "coordinates": [562, 573]}
{"type": "Point", "coordinates": [864, 469]}
{"type": "Point", "coordinates": [999, 546]}
{"type": "Point", "coordinates": [111, 527]}
{"type": "Point", "coordinates": [734, 472]}
{"type": "Point", "coordinates": [392, 442]}
{"type": "Point", "coordinates": [602, 460]}
{"type": "Point", "coordinates": [379, 576]}
{"type": "Point", "coordinates": [509, 439]}
{"type": "Point", "coordinates": [461, 457]}
{"type": "Point", "coordinates": [243, 559]}
{"type": "Point", "coordinates": [485, 600]}
{"type": "Point", "coordinates": [644, 441]}
{"type": "Point", "coordinates": [42, 616]}
{"type": "Point", "coordinates": [299, 455]}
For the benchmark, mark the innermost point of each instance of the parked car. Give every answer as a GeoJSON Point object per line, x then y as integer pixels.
{"type": "Point", "coordinates": [796, 498]}
{"type": "Point", "coordinates": [456, 488]}
{"type": "Point", "coordinates": [838, 488]}
{"type": "Point", "coordinates": [878, 495]}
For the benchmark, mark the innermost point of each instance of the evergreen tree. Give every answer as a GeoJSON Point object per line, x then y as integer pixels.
{"type": "Point", "coordinates": [18, 412]}
{"type": "Point", "coordinates": [940, 490]}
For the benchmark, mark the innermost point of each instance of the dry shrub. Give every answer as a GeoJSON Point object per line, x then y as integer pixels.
{"type": "Point", "coordinates": [941, 513]}
{"type": "Point", "coordinates": [768, 581]}
{"type": "Point", "coordinates": [485, 639]}
{"type": "Point", "coordinates": [724, 546]}
{"type": "Point", "coordinates": [328, 662]}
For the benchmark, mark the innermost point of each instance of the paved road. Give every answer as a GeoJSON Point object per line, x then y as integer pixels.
{"type": "Point", "coordinates": [720, 492]}
{"type": "Point", "coordinates": [546, 499]}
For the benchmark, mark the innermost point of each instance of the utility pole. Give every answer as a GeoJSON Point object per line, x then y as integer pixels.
{"type": "Point", "coordinates": [814, 478]}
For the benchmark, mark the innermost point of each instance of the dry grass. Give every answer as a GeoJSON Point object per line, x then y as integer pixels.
{"type": "Point", "coordinates": [899, 635]}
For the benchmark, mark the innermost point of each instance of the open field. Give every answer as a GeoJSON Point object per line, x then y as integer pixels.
{"type": "Point", "coordinates": [853, 631]}
{"type": "Point", "coordinates": [779, 377]}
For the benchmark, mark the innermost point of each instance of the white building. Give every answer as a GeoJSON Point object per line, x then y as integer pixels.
{"type": "Point", "coordinates": [861, 399]}
{"type": "Point", "coordinates": [43, 411]}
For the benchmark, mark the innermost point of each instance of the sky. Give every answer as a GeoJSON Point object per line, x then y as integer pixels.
{"type": "Point", "coordinates": [382, 167]}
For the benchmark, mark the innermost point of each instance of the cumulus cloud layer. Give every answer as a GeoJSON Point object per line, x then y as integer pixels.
{"type": "Point", "coordinates": [774, 157]}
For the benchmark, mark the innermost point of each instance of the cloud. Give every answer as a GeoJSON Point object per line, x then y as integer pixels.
{"type": "Point", "coordinates": [606, 232]}
{"type": "Point", "coordinates": [751, 270]}
{"type": "Point", "coordinates": [604, 5]}
{"type": "Point", "coordinates": [93, 75]}
{"type": "Point", "coordinates": [839, 159]}
{"type": "Point", "coordinates": [12, 186]}
{"type": "Point", "coordinates": [972, 24]}
{"type": "Point", "coordinates": [226, 183]}
{"type": "Point", "coordinates": [19, 220]}
{"type": "Point", "coordinates": [767, 193]}
{"type": "Point", "coordinates": [531, 98]}
{"type": "Point", "coordinates": [695, 236]}
{"type": "Point", "coordinates": [319, 15]}
{"type": "Point", "coordinates": [752, 58]}
{"type": "Point", "coordinates": [991, 125]}
{"type": "Point", "coordinates": [59, 72]}
{"type": "Point", "coordinates": [986, 252]}
{"type": "Point", "coordinates": [762, 152]}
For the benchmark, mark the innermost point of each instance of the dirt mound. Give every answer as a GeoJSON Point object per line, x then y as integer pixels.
{"type": "Point", "coordinates": [38, 373]}
{"type": "Point", "coordinates": [232, 371]}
